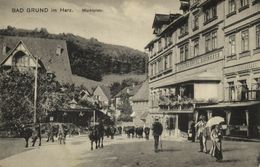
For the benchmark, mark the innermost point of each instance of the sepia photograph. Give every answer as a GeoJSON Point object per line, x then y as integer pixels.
{"type": "Point", "coordinates": [129, 83]}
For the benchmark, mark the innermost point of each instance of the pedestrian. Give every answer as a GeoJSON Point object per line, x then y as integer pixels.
{"type": "Point", "coordinates": [202, 133]}
{"type": "Point", "coordinates": [157, 131]}
{"type": "Point", "coordinates": [216, 138]}
{"type": "Point", "coordinates": [192, 131]}
{"type": "Point", "coordinates": [61, 134]}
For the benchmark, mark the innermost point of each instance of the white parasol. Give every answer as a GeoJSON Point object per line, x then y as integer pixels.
{"type": "Point", "coordinates": [214, 121]}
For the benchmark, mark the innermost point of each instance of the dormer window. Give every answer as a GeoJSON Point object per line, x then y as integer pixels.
{"type": "Point", "coordinates": [59, 50]}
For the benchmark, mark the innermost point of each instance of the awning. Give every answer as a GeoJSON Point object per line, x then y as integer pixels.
{"type": "Point", "coordinates": [204, 76]}
{"type": "Point", "coordinates": [230, 105]}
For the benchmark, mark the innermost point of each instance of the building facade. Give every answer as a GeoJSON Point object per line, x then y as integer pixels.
{"type": "Point", "coordinates": [197, 58]}
{"type": "Point", "coordinates": [140, 107]}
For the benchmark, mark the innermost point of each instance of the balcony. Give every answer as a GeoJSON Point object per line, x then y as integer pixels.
{"type": "Point", "coordinates": [176, 104]}
{"type": "Point", "coordinates": [244, 94]}
{"type": "Point", "coordinates": [200, 60]}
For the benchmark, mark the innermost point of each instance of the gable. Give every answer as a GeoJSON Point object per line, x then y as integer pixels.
{"type": "Point", "coordinates": [45, 50]}
{"type": "Point", "coordinates": [101, 93]}
{"type": "Point", "coordinates": [23, 53]}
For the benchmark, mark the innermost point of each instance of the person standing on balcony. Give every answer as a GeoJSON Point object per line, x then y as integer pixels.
{"type": "Point", "coordinates": [157, 132]}
{"type": "Point", "coordinates": [202, 134]}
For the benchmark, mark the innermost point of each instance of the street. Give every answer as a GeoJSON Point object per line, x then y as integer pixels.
{"type": "Point", "coordinates": [123, 152]}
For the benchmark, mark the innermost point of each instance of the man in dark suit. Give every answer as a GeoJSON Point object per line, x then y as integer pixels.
{"type": "Point", "coordinates": [157, 131]}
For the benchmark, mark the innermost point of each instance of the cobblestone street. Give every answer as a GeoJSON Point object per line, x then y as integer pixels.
{"type": "Point", "coordinates": [123, 152]}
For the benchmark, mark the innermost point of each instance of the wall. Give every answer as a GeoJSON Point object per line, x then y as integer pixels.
{"type": "Point", "coordinates": [139, 108]}
{"type": "Point", "coordinates": [206, 91]}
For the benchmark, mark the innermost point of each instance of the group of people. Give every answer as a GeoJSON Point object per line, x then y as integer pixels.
{"type": "Point", "coordinates": [203, 133]}
{"type": "Point", "coordinates": [215, 135]}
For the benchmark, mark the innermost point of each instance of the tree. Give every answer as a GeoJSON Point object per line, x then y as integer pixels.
{"type": "Point", "coordinates": [125, 108]}
{"type": "Point", "coordinates": [17, 97]}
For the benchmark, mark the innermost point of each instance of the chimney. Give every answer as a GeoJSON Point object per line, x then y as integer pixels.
{"type": "Point", "coordinates": [4, 49]}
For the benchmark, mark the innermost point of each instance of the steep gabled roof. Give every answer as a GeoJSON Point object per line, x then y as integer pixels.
{"type": "Point", "coordinates": [132, 90]}
{"type": "Point", "coordinates": [45, 50]}
{"type": "Point", "coordinates": [142, 94]}
{"type": "Point", "coordinates": [106, 91]}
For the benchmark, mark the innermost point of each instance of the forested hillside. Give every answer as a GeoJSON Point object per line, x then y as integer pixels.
{"type": "Point", "coordinates": [90, 58]}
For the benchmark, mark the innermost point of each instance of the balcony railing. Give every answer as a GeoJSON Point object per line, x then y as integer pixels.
{"type": "Point", "coordinates": [244, 95]}
{"type": "Point", "coordinates": [175, 103]}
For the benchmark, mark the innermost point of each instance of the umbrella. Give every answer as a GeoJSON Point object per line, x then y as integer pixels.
{"type": "Point", "coordinates": [214, 121]}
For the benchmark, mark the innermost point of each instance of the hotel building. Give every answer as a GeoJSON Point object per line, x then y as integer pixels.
{"type": "Point", "coordinates": [206, 61]}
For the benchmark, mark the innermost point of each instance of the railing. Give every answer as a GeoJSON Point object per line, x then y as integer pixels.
{"type": "Point", "coordinates": [200, 60]}
{"type": "Point", "coordinates": [176, 103]}
{"type": "Point", "coordinates": [244, 95]}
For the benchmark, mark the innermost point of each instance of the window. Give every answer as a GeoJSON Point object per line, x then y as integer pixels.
{"type": "Point", "coordinates": [210, 14]}
{"type": "Point", "coordinates": [231, 6]}
{"type": "Point", "coordinates": [182, 58]}
{"type": "Point", "coordinates": [257, 88]}
{"type": "Point", "coordinates": [244, 90]}
{"type": "Point", "coordinates": [170, 60]}
{"type": "Point", "coordinates": [184, 52]}
{"type": "Point", "coordinates": [231, 91]}
{"type": "Point", "coordinates": [243, 3]}
{"type": "Point", "coordinates": [196, 21]}
{"type": "Point", "coordinates": [160, 65]}
{"type": "Point", "coordinates": [166, 62]}
{"type": "Point", "coordinates": [214, 40]}
{"type": "Point", "coordinates": [159, 45]}
{"type": "Point", "coordinates": [59, 50]}
{"type": "Point", "coordinates": [211, 41]}
{"type": "Point", "coordinates": [154, 68]}
{"type": "Point", "coordinates": [207, 43]}
{"type": "Point", "coordinates": [258, 36]}
{"type": "Point", "coordinates": [232, 44]}
{"type": "Point", "coordinates": [244, 41]}
{"type": "Point", "coordinates": [184, 29]}
{"type": "Point", "coordinates": [151, 67]}
{"type": "Point", "coordinates": [196, 48]}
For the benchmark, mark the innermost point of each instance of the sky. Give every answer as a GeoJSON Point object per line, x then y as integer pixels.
{"type": "Point", "coordinates": [120, 22]}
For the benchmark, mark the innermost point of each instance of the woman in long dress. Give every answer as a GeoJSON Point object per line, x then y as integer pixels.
{"type": "Point", "coordinates": [216, 149]}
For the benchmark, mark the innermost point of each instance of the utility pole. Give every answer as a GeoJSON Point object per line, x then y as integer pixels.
{"type": "Point", "coordinates": [35, 91]}
{"type": "Point", "coordinates": [94, 115]}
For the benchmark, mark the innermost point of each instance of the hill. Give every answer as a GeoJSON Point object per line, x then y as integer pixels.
{"type": "Point", "coordinates": [90, 58]}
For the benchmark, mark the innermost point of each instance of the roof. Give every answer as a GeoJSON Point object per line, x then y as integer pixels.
{"type": "Point", "coordinates": [143, 93]}
{"type": "Point", "coordinates": [160, 19]}
{"type": "Point", "coordinates": [106, 90]}
{"type": "Point", "coordinates": [231, 105]}
{"type": "Point", "coordinates": [132, 90]}
{"type": "Point", "coordinates": [45, 50]}
{"type": "Point", "coordinates": [88, 83]}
